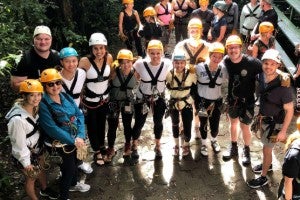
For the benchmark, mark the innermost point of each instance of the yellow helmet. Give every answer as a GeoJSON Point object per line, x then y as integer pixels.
{"type": "Point", "coordinates": [31, 85]}
{"type": "Point", "coordinates": [203, 2]}
{"type": "Point", "coordinates": [266, 27]}
{"type": "Point", "coordinates": [155, 44]}
{"type": "Point", "coordinates": [127, 1]}
{"type": "Point", "coordinates": [217, 47]}
{"type": "Point", "coordinates": [195, 23]}
{"type": "Point", "coordinates": [149, 11]}
{"type": "Point", "coordinates": [233, 39]}
{"type": "Point", "coordinates": [50, 74]}
{"type": "Point", "coordinates": [125, 54]}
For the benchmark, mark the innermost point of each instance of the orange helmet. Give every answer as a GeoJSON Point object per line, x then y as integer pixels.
{"type": "Point", "coordinates": [149, 12]}
{"type": "Point", "coordinates": [127, 1]}
{"type": "Point", "coordinates": [125, 54]}
{"type": "Point", "coordinates": [195, 23]}
{"type": "Point", "coordinates": [155, 44]}
{"type": "Point", "coordinates": [233, 39]}
{"type": "Point", "coordinates": [266, 27]}
{"type": "Point", "coordinates": [30, 85]}
{"type": "Point", "coordinates": [217, 47]}
{"type": "Point", "coordinates": [203, 2]}
{"type": "Point", "coordinates": [50, 74]}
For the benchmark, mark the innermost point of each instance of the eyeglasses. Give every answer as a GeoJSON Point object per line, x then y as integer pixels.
{"type": "Point", "coordinates": [51, 84]}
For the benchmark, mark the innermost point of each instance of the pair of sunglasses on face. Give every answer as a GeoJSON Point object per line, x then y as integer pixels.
{"type": "Point", "coordinates": [51, 84]}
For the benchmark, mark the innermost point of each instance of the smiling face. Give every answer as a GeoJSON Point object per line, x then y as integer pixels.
{"type": "Point", "coordinates": [42, 42]}
{"type": "Point", "coordinates": [126, 66]}
{"type": "Point", "coordinates": [70, 64]}
{"type": "Point", "coordinates": [216, 58]}
{"type": "Point", "coordinates": [269, 67]}
{"type": "Point", "coordinates": [155, 56]}
{"type": "Point", "coordinates": [234, 51]}
{"type": "Point", "coordinates": [195, 32]}
{"type": "Point", "coordinates": [53, 88]}
{"type": "Point", "coordinates": [33, 99]}
{"type": "Point", "coordinates": [99, 51]}
{"type": "Point", "coordinates": [179, 65]}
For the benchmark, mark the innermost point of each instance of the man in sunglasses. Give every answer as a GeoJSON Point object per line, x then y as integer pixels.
{"type": "Point", "coordinates": [36, 59]}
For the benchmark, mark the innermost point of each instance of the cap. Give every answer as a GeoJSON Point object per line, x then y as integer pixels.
{"type": "Point", "coordinates": [272, 54]}
{"type": "Point", "coordinates": [41, 30]}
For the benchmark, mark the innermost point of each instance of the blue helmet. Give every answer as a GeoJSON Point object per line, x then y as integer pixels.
{"type": "Point", "coordinates": [67, 52]}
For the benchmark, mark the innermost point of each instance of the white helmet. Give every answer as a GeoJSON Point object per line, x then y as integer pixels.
{"type": "Point", "coordinates": [178, 55]}
{"type": "Point", "coordinates": [97, 38]}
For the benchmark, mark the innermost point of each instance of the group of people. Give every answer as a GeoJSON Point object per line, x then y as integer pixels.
{"type": "Point", "coordinates": [57, 102]}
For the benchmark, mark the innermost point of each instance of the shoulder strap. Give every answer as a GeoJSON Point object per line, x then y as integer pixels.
{"type": "Point", "coordinates": [154, 79]}
{"type": "Point", "coordinates": [251, 12]}
{"type": "Point", "coordinates": [70, 91]}
{"type": "Point", "coordinates": [124, 84]}
{"type": "Point", "coordinates": [212, 81]}
{"type": "Point", "coordinates": [193, 57]}
{"type": "Point", "coordinates": [35, 127]}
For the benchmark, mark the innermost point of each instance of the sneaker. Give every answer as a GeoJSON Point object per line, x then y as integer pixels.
{"type": "Point", "coordinates": [49, 193]}
{"type": "Point", "coordinates": [259, 182]}
{"type": "Point", "coordinates": [158, 154]}
{"type": "Point", "coordinates": [216, 147]}
{"type": "Point", "coordinates": [258, 169]}
{"type": "Point", "coordinates": [86, 167]}
{"type": "Point", "coordinates": [231, 152]}
{"type": "Point", "coordinates": [246, 160]}
{"type": "Point", "coordinates": [204, 150]}
{"type": "Point", "coordinates": [127, 151]}
{"type": "Point", "coordinates": [80, 187]}
{"type": "Point", "coordinates": [110, 153]}
{"type": "Point", "coordinates": [185, 151]}
{"type": "Point", "coordinates": [176, 151]}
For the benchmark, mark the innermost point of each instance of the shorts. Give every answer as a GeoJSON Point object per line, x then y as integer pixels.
{"type": "Point", "coordinates": [245, 113]}
{"type": "Point", "coordinates": [265, 129]}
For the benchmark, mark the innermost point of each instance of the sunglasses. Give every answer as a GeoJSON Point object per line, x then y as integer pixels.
{"type": "Point", "coordinates": [51, 84]}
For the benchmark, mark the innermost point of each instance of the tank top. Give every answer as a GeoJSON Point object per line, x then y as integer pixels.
{"type": "Point", "coordinates": [164, 13]}
{"type": "Point", "coordinates": [129, 21]}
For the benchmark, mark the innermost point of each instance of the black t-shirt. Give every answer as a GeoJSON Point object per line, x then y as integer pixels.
{"type": "Point", "coordinates": [206, 18]}
{"type": "Point", "coordinates": [31, 64]}
{"type": "Point", "coordinates": [242, 76]}
{"type": "Point", "coordinates": [291, 166]}
{"type": "Point", "coordinates": [268, 16]}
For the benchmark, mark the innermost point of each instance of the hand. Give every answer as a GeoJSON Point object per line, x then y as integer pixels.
{"type": "Point", "coordinates": [28, 168]}
{"type": "Point", "coordinates": [285, 79]}
{"type": "Point", "coordinates": [281, 137]}
{"type": "Point", "coordinates": [79, 142]}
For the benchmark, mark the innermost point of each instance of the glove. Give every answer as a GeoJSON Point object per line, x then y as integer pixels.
{"type": "Point", "coordinates": [123, 37]}
{"type": "Point", "coordinates": [82, 152]}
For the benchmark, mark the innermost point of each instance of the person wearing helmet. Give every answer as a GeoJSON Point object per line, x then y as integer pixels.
{"type": "Point", "coordinates": [210, 77]}
{"type": "Point", "coordinates": [25, 138]}
{"type": "Point", "coordinates": [152, 71]}
{"type": "Point", "coordinates": [181, 10]}
{"type": "Point", "coordinates": [217, 31]}
{"type": "Point", "coordinates": [232, 17]}
{"type": "Point", "coordinates": [35, 60]}
{"type": "Point", "coordinates": [129, 24]}
{"type": "Point", "coordinates": [195, 50]}
{"type": "Point", "coordinates": [265, 41]}
{"type": "Point", "coordinates": [268, 15]}
{"type": "Point", "coordinates": [96, 93]}
{"type": "Point", "coordinates": [290, 167]}
{"type": "Point", "coordinates": [62, 123]}
{"type": "Point", "coordinates": [248, 19]}
{"type": "Point", "coordinates": [165, 17]}
{"type": "Point", "coordinates": [242, 71]}
{"type": "Point", "coordinates": [205, 15]}
{"type": "Point", "coordinates": [151, 29]}
{"type": "Point", "coordinates": [179, 83]}
{"type": "Point", "coordinates": [275, 113]}
{"type": "Point", "coordinates": [73, 80]}
{"type": "Point", "coordinates": [123, 80]}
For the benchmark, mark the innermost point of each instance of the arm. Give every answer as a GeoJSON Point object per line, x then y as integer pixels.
{"type": "Point", "coordinates": [84, 63]}
{"type": "Point", "coordinates": [192, 4]}
{"type": "Point", "coordinates": [242, 18]}
{"type": "Point", "coordinates": [289, 112]}
{"type": "Point", "coordinates": [288, 187]}
{"type": "Point", "coordinates": [254, 51]}
{"type": "Point", "coordinates": [121, 16]}
{"type": "Point", "coordinates": [15, 81]}
{"type": "Point", "coordinates": [236, 17]}
{"type": "Point", "coordinates": [222, 33]}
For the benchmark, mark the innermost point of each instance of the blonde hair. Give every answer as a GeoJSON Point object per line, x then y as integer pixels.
{"type": "Point", "coordinates": [24, 100]}
{"type": "Point", "coordinates": [294, 136]}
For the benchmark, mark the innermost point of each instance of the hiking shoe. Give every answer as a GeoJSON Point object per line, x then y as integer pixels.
{"type": "Point", "coordinates": [231, 152]}
{"type": "Point", "coordinates": [176, 151]}
{"type": "Point", "coordinates": [127, 151]}
{"type": "Point", "coordinates": [49, 193]}
{"type": "Point", "coordinates": [86, 167]}
{"type": "Point", "coordinates": [110, 153]}
{"type": "Point", "coordinates": [185, 151]}
{"type": "Point", "coordinates": [204, 150]}
{"type": "Point", "coordinates": [258, 169]}
{"type": "Point", "coordinates": [259, 182]}
{"type": "Point", "coordinates": [80, 187]}
{"type": "Point", "coordinates": [246, 159]}
{"type": "Point", "coordinates": [216, 147]}
{"type": "Point", "coordinates": [134, 152]}
{"type": "Point", "coordinates": [158, 154]}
